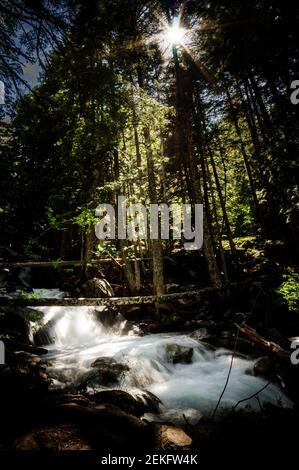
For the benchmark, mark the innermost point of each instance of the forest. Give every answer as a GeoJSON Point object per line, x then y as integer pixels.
{"type": "Point", "coordinates": [173, 332]}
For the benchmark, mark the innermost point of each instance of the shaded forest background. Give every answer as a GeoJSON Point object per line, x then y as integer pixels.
{"type": "Point", "coordinates": [117, 112]}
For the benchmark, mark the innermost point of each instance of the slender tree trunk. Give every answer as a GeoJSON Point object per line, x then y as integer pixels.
{"type": "Point", "coordinates": [245, 158]}
{"type": "Point", "coordinates": [184, 129]}
{"type": "Point", "coordinates": [218, 229]}
{"type": "Point", "coordinates": [222, 204]}
{"type": "Point", "coordinates": [156, 245]}
{"type": "Point", "coordinates": [128, 271]}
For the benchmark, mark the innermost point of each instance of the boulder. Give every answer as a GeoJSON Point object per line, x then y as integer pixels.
{"type": "Point", "coordinates": [179, 354]}
{"type": "Point", "coordinates": [26, 377]}
{"type": "Point", "coordinates": [118, 430]}
{"type": "Point", "coordinates": [138, 405]}
{"type": "Point", "coordinates": [129, 327]}
{"type": "Point", "coordinates": [107, 316]}
{"type": "Point", "coordinates": [107, 371]}
{"type": "Point", "coordinates": [24, 347]}
{"type": "Point", "coordinates": [119, 398]}
{"type": "Point", "coordinates": [105, 426]}
{"type": "Point", "coordinates": [27, 442]}
{"type": "Point", "coordinates": [263, 366]}
{"type": "Point", "coordinates": [14, 322]}
{"type": "Point", "coordinates": [134, 312]}
{"type": "Point", "coordinates": [45, 334]}
{"type": "Point", "coordinates": [170, 438]}
{"type": "Point", "coordinates": [58, 437]}
{"type": "Point", "coordinates": [63, 398]}
{"type": "Point", "coordinates": [200, 335]}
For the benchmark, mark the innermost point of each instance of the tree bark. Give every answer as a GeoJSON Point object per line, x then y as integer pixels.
{"type": "Point", "coordinates": [156, 245]}
{"type": "Point", "coordinates": [81, 302]}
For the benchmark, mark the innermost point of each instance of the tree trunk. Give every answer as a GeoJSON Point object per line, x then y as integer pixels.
{"type": "Point", "coordinates": [246, 159]}
{"type": "Point", "coordinates": [222, 204]}
{"type": "Point", "coordinates": [184, 127]}
{"type": "Point", "coordinates": [156, 245]}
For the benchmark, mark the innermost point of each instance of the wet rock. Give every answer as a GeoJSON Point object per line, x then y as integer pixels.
{"type": "Point", "coordinates": [263, 366]}
{"type": "Point", "coordinates": [153, 327]}
{"type": "Point", "coordinates": [14, 322]}
{"type": "Point", "coordinates": [27, 348]}
{"type": "Point", "coordinates": [27, 442]}
{"type": "Point", "coordinates": [134, 313]}
{"type": "Point", "coordinates": [170, 438]}
{"type": "Point", "coordinates": [59, 437]}
{"type": "Point", "coordinates": [179, 354]}
{"type": "Point", "coordinates": [103, 362]}
{"type": "Point", "coordinates": [45, 334]}
{"type": "Point", "coordinates": [129, 327]}
{"type": "Point", "coordinates": [118, 430]}
{"type": "Point", "coordinates": [63, 398]}
{"type": "Point", "coordinates": [111, 364]}
{"type": "Point", "coordinates": [104, 425]}
{"type": "Point", "coordinates": [107, 372]}
{"type": "Point", "coordinates": [144, 402]}
{"type": "Point", "coordinates": [181, 418]}
{"type": "Point", "coordinates": [171, 321]}
{"type": "Point", "coordinates": [24, 358]}
{"type": "Point", "coordinates": [107, 316]}
{"type": "Point", "coordinates": [149, 400]}
{"type": "Point", "coordinates": [27, 378]}
{"type": "Point", "coordinates": [122, 399]}
{"type": "Point", "coordinates": [200, 335]}
{"type": "Point", "coordinates": [210, 325]}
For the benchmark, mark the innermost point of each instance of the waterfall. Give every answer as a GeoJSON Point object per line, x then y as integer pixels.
{"type": "Point", "coordinates": [184, 388]}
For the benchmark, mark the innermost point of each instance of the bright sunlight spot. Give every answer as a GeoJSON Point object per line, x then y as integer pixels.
{"type": "Point", "coordinates": [175, 34]}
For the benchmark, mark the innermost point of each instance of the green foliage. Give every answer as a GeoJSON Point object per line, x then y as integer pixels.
{"type": "Point", "coordinates": [290, 290]}
{"type": "Point", "coordinates": [35, 250]}
{"type": "Point", "coordinates": [27, 295]}
{"type": "Point", "coordinates": [56, 263]}
{"type": "Point", "coordinates": [34, 315]}
{"type": "Point", "coordinates": [85, 219]}
{"type": "Point", "coordinates": [242, 243]}
{"type": "Point", "coordinates": [6, 336]}
{"type": "Point", "coordinates": [106, 249]}
{"type": "Point", "coordinates": [106, 111]}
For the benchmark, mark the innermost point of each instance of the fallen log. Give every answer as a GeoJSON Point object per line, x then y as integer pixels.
{"type": "Point", "coordinates": [40, 264]}
{"type": "Point", "coordinates": [98, 302]}
{"type": "Point", "coordinates": [59, 264]}
{"type": "Point", "coordinates": [269, 346]}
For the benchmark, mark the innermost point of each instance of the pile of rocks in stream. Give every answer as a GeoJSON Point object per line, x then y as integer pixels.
{"type": "Point", "coordinates": [113, 419]}
{"type": "Point", "coordinates": [34, 417]}
{"type": "Point", "coordinates": [53, 420]}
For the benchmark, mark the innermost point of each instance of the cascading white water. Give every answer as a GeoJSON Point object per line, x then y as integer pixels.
{"type": "Point", "coordinates": [79, 339]}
